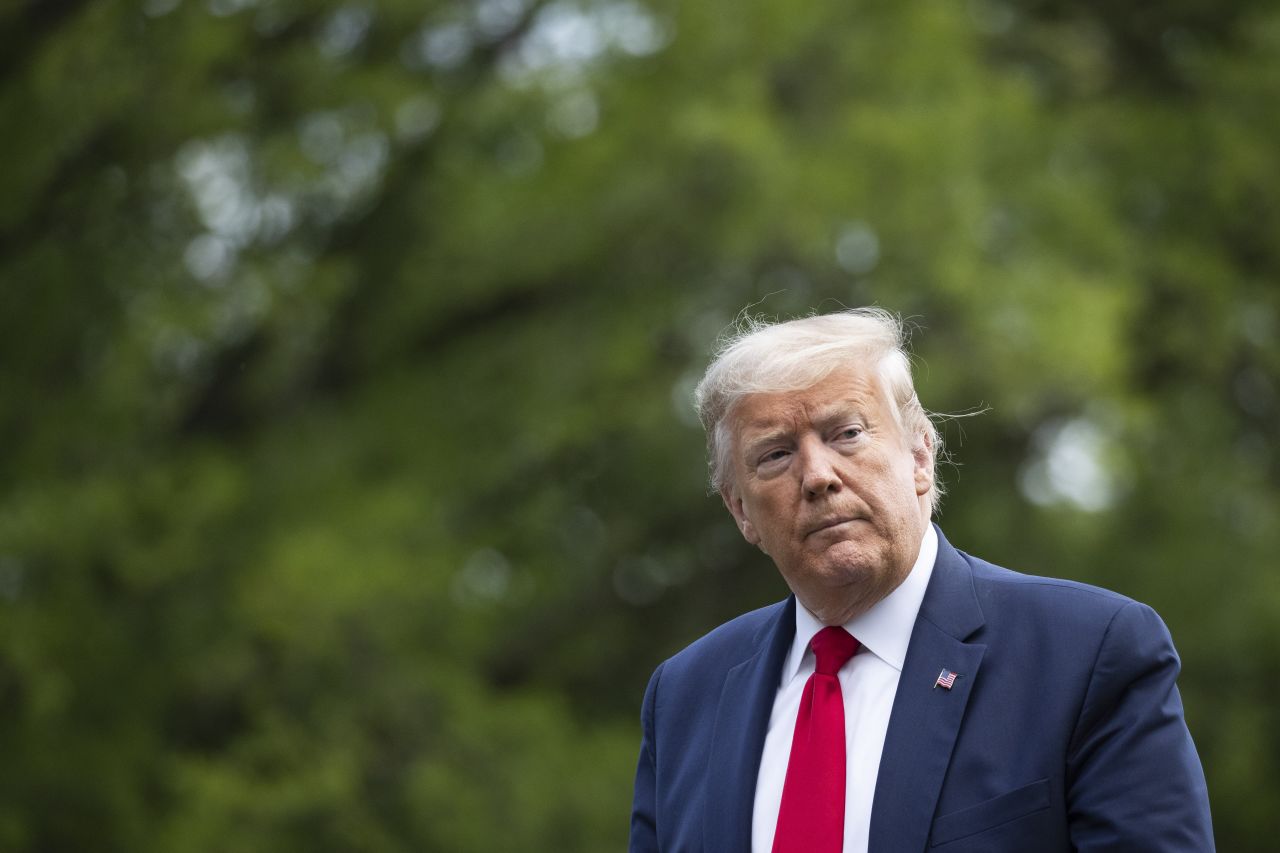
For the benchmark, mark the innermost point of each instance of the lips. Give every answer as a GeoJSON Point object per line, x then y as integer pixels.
{"type": "Point", "coordinates": [829, 523]}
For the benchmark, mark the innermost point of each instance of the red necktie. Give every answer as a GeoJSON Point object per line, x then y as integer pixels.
{"type": "Point", "coordinates": [811, 816]}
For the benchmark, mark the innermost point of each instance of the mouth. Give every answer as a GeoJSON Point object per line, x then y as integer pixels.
{"type": "Point", "coordinates": [830, 523]}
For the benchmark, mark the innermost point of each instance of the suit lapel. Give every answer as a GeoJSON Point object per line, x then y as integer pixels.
{"type": "Point", "coordinates": [925, 721]}
{"type": "Point", "coordinates": [742, 720]}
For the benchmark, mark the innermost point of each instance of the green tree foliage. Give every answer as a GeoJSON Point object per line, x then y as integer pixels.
{"type": "Point", "coordinates": [351, 490]}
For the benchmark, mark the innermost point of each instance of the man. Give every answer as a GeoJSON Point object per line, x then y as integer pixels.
{"type": "Point", "coordinates": [907, 696]}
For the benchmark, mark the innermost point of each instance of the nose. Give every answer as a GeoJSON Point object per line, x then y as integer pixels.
{"type": "Point", "coordinates": [818, 474]}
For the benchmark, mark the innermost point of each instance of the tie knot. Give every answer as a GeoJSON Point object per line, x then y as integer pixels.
{"type": "Point", "coordinates": [832, 646]}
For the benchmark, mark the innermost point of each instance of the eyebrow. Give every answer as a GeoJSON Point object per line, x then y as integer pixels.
{"type": "Point", "coordinates": [837, 412]}
{"type": "Point", "coordinates": [769, 436]}
{"type": "Point", "coordinates": [769, 433]}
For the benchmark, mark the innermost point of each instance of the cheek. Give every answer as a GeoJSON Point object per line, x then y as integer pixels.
{"type": "Point", "coordinates": [770, 531]}
{"type": "Point", "coordinates": [898, 483]}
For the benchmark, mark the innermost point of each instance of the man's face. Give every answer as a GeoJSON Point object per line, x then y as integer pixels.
{"type": "Point", "coordinates": [826, 484]}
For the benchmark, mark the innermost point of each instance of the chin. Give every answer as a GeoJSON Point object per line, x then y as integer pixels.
{"type": "Point", "coordinates": [845, 573]}
{"type": "Point", "coordinates": [853, 558]}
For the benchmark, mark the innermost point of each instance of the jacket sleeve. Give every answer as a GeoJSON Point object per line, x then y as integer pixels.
{"type": "Point", "coordinates": [1134, 781]}
{"type": "Point", "coordinates": [644, 828]}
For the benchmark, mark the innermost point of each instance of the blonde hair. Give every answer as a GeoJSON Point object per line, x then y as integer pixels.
{"type": "Point", "coordinates": [757, 356]}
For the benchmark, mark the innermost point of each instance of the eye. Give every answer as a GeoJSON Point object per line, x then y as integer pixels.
{"type": "Point", "coordinates": [849, 433]}
{"type": "Point", "coordinates": [772, 461]}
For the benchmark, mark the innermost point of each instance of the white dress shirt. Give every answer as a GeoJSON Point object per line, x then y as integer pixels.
{"type": "Point", "coordinates": [868, 683]}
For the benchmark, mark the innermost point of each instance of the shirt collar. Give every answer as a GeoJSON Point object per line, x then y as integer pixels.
{"type": "Point", "coordinates": [885, 628]}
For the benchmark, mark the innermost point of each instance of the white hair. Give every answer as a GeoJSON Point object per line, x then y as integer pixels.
{"type": "Point", "coordinates": [757, 356]}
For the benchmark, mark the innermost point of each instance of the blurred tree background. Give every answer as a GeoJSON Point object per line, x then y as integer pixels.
{"type": "Point", "coordinates": [351, 489]}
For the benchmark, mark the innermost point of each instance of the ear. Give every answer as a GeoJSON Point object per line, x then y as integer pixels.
{"type": "Point", "coordinates": [733, 503]}
{"type": "Point", "coordinates": [922, 454]}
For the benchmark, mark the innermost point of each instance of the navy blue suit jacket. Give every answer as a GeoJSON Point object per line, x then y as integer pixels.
{"type": "Point", "coordinates": [1064, 730]}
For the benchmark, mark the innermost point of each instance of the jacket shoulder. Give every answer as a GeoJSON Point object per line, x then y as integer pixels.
{"type": "Point", "coordinates": [990, 580]}
{"type": "Point", "coordinates": [730, 643]}
{"type": "Point", "coordinates": [1032, 606]}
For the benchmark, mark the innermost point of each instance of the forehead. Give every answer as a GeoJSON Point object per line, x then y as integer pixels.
{"type": "Point", "coordinates": [843, 392]}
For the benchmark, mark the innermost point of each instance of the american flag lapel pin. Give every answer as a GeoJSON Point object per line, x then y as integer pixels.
{"type": "Point", "coordinates": [946, 679]}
